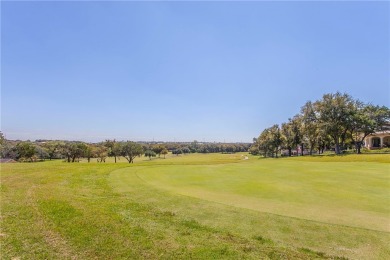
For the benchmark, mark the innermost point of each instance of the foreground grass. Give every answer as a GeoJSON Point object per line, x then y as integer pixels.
{"type": "Point", "coordinates": [59, 210]}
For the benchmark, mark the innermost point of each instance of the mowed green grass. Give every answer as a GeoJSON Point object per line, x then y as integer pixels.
{"type": "Point", "coordinates": [198, 206]}
{"type": "Point", "coordinates": [347, 193]}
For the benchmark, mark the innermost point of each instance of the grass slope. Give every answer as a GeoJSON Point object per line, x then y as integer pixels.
{"type": "Point", "coordinates": [59, 210]}
{"type": "Point", "coordinates": [351, 194]}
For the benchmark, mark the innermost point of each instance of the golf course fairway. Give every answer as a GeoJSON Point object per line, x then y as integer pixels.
{"type": "Point", "coordinates": [198, 206]}
{"type": "Point", "coordinates": [341, 195]}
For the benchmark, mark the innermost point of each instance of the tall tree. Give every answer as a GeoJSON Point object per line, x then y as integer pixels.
{"type": "Point", "coordinates": [310, 129]}
{"type": "Point", "coordinates": [101, 152]}
{"type": "Point", "coordinates": [164, 152]}
{"type": "Point", "coordinates": [270, 141]}
{"type": "Point", "coordinates": [323, 140]}
{"type": "Point", "coordinates": [73, 150]}
{"type": "Point", "coordinates": [89, 151]}
{"type": "Point", "coordinates": [26, 150]}
{"type": "Point", "coordinates": [335, 115]}
{"type": "Point", "coordinates": [157, 149]}
{"type": "Point", "coordinates": [288, 136]}
{"type": "Point", "coordinates": [52, 148]}
{"type": "Point", "coordinates": [130, 150]}
{"type": "Point", "coordinates": [114, 148]}
{"type": "Point", "coordinates": [296, 124]}
{"type": "Point", "coordinates": [150, 154]}
{"type": "Point", "coordinates": [6, 150]}
{"type": "Point", "coordinates": [194, 146]}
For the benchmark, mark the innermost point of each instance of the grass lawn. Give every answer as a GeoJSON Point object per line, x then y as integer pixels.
{"type": "Point", "coordinates": [198, 206]}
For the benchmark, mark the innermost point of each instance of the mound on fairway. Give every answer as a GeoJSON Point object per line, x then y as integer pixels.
{"type": "Point", "coordinates": [351, 194]}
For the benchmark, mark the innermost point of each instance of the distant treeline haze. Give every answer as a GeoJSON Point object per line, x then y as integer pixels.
{"type": "Point", "coordinates": [72, 151]}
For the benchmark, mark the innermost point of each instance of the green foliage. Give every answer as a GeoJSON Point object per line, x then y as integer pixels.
{"type": "Point", "coordinates": [52, 148]}
{"type": "Point", "coordinates": [269, 141]}
{"type": "Point", "coordinates": [26, 151]}
{"type": "Point", "coordinates": [336, 120]}
{"type": "Point", "coordinates": [73, 151]}
{"type": "Point", "coordinates": [367, 119]}
{"type": "Point", "coordinates": [310, 127]}
{"type": "Point", "coordinates": [3, 143]}
{"type": "Point", "coordinates": [150, 154]}
{"type": "Point", "coordinates": [335, 112]}
{"type": "Point", "coordinates": [177, 151]}
{"type": "Point", "coordinates": [288, 136]}
{"type": "Point", "coordinates": [164, 152]}
{"type": "Point", "coordinates": [130, 150]}
{"type": "Point", "coordinates": [157, 149]}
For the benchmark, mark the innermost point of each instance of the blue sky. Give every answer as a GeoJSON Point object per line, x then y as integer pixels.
{"type": "Point", "coordinates": [212, 71]}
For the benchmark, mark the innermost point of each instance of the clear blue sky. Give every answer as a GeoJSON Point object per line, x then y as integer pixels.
{"type": "Point", "coordinates": [210, 71]}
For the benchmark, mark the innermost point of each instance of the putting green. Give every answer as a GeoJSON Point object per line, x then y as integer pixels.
{"type": "Point", "coordinates": [344, 193]}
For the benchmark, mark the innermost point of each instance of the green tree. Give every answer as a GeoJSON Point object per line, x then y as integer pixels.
{"type": "Point", "coordinates": [323, 140]}
{"type": "Point", "coordinates": [270, 141]}
{"type": "Point", "coordinates": [41, 152]}
{"type": "Point", "coordinates": [164, 152]}
{"type": "Point", "coordinates": [157, 149]}
{"type": "Point", "coordinates": [177, 151]}
{"type": "Point", "coordinates": [89, 152]}
{"type": "Point", "coordinates": [150, 154]}
{"type": "Point", "coordinates": [194, 146]}
{"type": "Point", "coordinates": [296, 122]}
{"type": "Point", "coordinates": [26, 150]}
{"type": "Point", "coordinates": [73, 150]}
{"type": "Point", "coordinates": [101, 152]}
{"type": "Point", "coordinates": [114, 148]}
{"type": "Point", "coordinates": [367, 120]}
{"type": "Point", "coordinates": [52, 148]}
{"type": "Point", "coordinates": [5, 147]}
{"type": "Point", "coordinates": [310, 129]}
{"type": "Point", "coordinates": [186, 150]}
{"type": "Point", "coordinates": [335, 116]}
{"type": "Point", "coordinates": [288, 136]}
{"type": "Point", "coordinates": [130, 150]}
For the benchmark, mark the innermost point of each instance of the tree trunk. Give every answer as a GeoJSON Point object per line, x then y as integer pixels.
{"type": "Point", "coordinates": [289, 151]}
{"type": "Point", "coordinates": [115, 158]}
{"type": "Point", "coordinates": [358, 146]}
{"type": "Point", "coordinates": [311, 149]}
{"type": "Point", "coordinates": [337, 147]}
{"type": "Point", "coordinates": [301, 149]}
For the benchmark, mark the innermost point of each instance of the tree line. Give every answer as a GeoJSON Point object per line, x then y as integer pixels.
{"type": "Point", "coordinates": [73, 151]}
{"type": "Point", "coordinates": [334, 122]}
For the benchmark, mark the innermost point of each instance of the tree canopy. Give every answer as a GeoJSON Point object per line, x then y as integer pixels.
{"type": "Point", "coordinates": [331, 121]}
